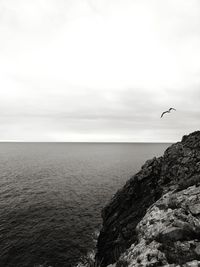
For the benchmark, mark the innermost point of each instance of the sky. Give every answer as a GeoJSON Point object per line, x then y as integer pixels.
{"type": "Point", "coordinates": [99, 70]}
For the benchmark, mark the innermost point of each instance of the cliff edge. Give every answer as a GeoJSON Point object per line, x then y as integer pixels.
{"type": "Point", "coordinates": [154, 220]}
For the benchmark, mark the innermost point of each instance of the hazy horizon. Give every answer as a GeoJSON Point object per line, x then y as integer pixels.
{"type": "Point", "coordinates": [82, 142]}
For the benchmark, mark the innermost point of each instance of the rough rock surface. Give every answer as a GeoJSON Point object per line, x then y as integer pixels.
{"type": "Point", "coordinates": [154, 220]}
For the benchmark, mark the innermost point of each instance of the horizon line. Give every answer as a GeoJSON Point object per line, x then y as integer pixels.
{"type": "Point", "coordinates": [87, 142]}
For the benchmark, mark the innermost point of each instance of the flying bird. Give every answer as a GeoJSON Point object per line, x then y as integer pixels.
{"type": "Point", "coordinates": [167, 111]}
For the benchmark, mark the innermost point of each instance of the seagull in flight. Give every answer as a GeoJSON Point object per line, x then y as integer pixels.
{"type": "Point", "coordinates": [168, 111]}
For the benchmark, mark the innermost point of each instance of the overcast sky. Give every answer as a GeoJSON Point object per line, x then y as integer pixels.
{"type": "Point", "coordinates": [99, 70]}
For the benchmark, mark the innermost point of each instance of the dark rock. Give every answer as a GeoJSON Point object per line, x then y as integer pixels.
{"type": "Point", "coordinates": [159, 184]}
{"type": "Point", "coordinates": [197, 250]}
{"type": "Point", "coordinates": [172, 234]}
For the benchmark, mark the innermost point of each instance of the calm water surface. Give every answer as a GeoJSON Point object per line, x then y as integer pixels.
{"type": "Point", "coordinates": [51, 196]}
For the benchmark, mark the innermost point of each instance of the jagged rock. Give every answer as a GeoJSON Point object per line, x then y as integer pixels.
{"type": "Point", "coordinates": [154, 220]}
{"type": "Point", "coordinates": [167, 235]}
{"type": "Point", "coordinates": [195, 208]}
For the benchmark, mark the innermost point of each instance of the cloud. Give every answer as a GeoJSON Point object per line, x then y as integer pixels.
{"type": "Point", "coordinates": [99, 70]}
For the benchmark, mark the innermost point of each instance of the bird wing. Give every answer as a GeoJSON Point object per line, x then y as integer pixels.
{"type": "Point", "coordinates": [163, 113]}
{"type": "Point", "coordinates": [172, 109]}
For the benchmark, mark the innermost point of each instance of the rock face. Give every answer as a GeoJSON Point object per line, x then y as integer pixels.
{"type": "Point", "coordinates": [169, 233]}
{"type": "Point", "coordinates": [154, 220]}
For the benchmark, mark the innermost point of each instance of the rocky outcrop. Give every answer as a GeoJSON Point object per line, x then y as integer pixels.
{"type": "Point", "coordinates": [154, 220]}
{"type": "Point", "coordinates": [169, 233]}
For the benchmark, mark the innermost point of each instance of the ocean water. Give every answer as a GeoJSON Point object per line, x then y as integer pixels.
{"type": "Point", "coordinates": [51, 196]}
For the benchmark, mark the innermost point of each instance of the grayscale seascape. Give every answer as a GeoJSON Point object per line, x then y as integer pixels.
{"type": "Point", "coordinates": [99, 133]}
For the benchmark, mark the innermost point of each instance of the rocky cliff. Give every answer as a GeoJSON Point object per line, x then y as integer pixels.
{"type": "Point", "coordinates": [154, 220]}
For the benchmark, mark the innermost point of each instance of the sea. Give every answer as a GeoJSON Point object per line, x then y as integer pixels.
{"type": "Point", "coordinates": [52, 194]}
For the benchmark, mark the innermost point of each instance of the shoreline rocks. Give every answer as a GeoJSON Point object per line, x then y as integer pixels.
{"type": "Point", "coordinates": [154, 220]}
